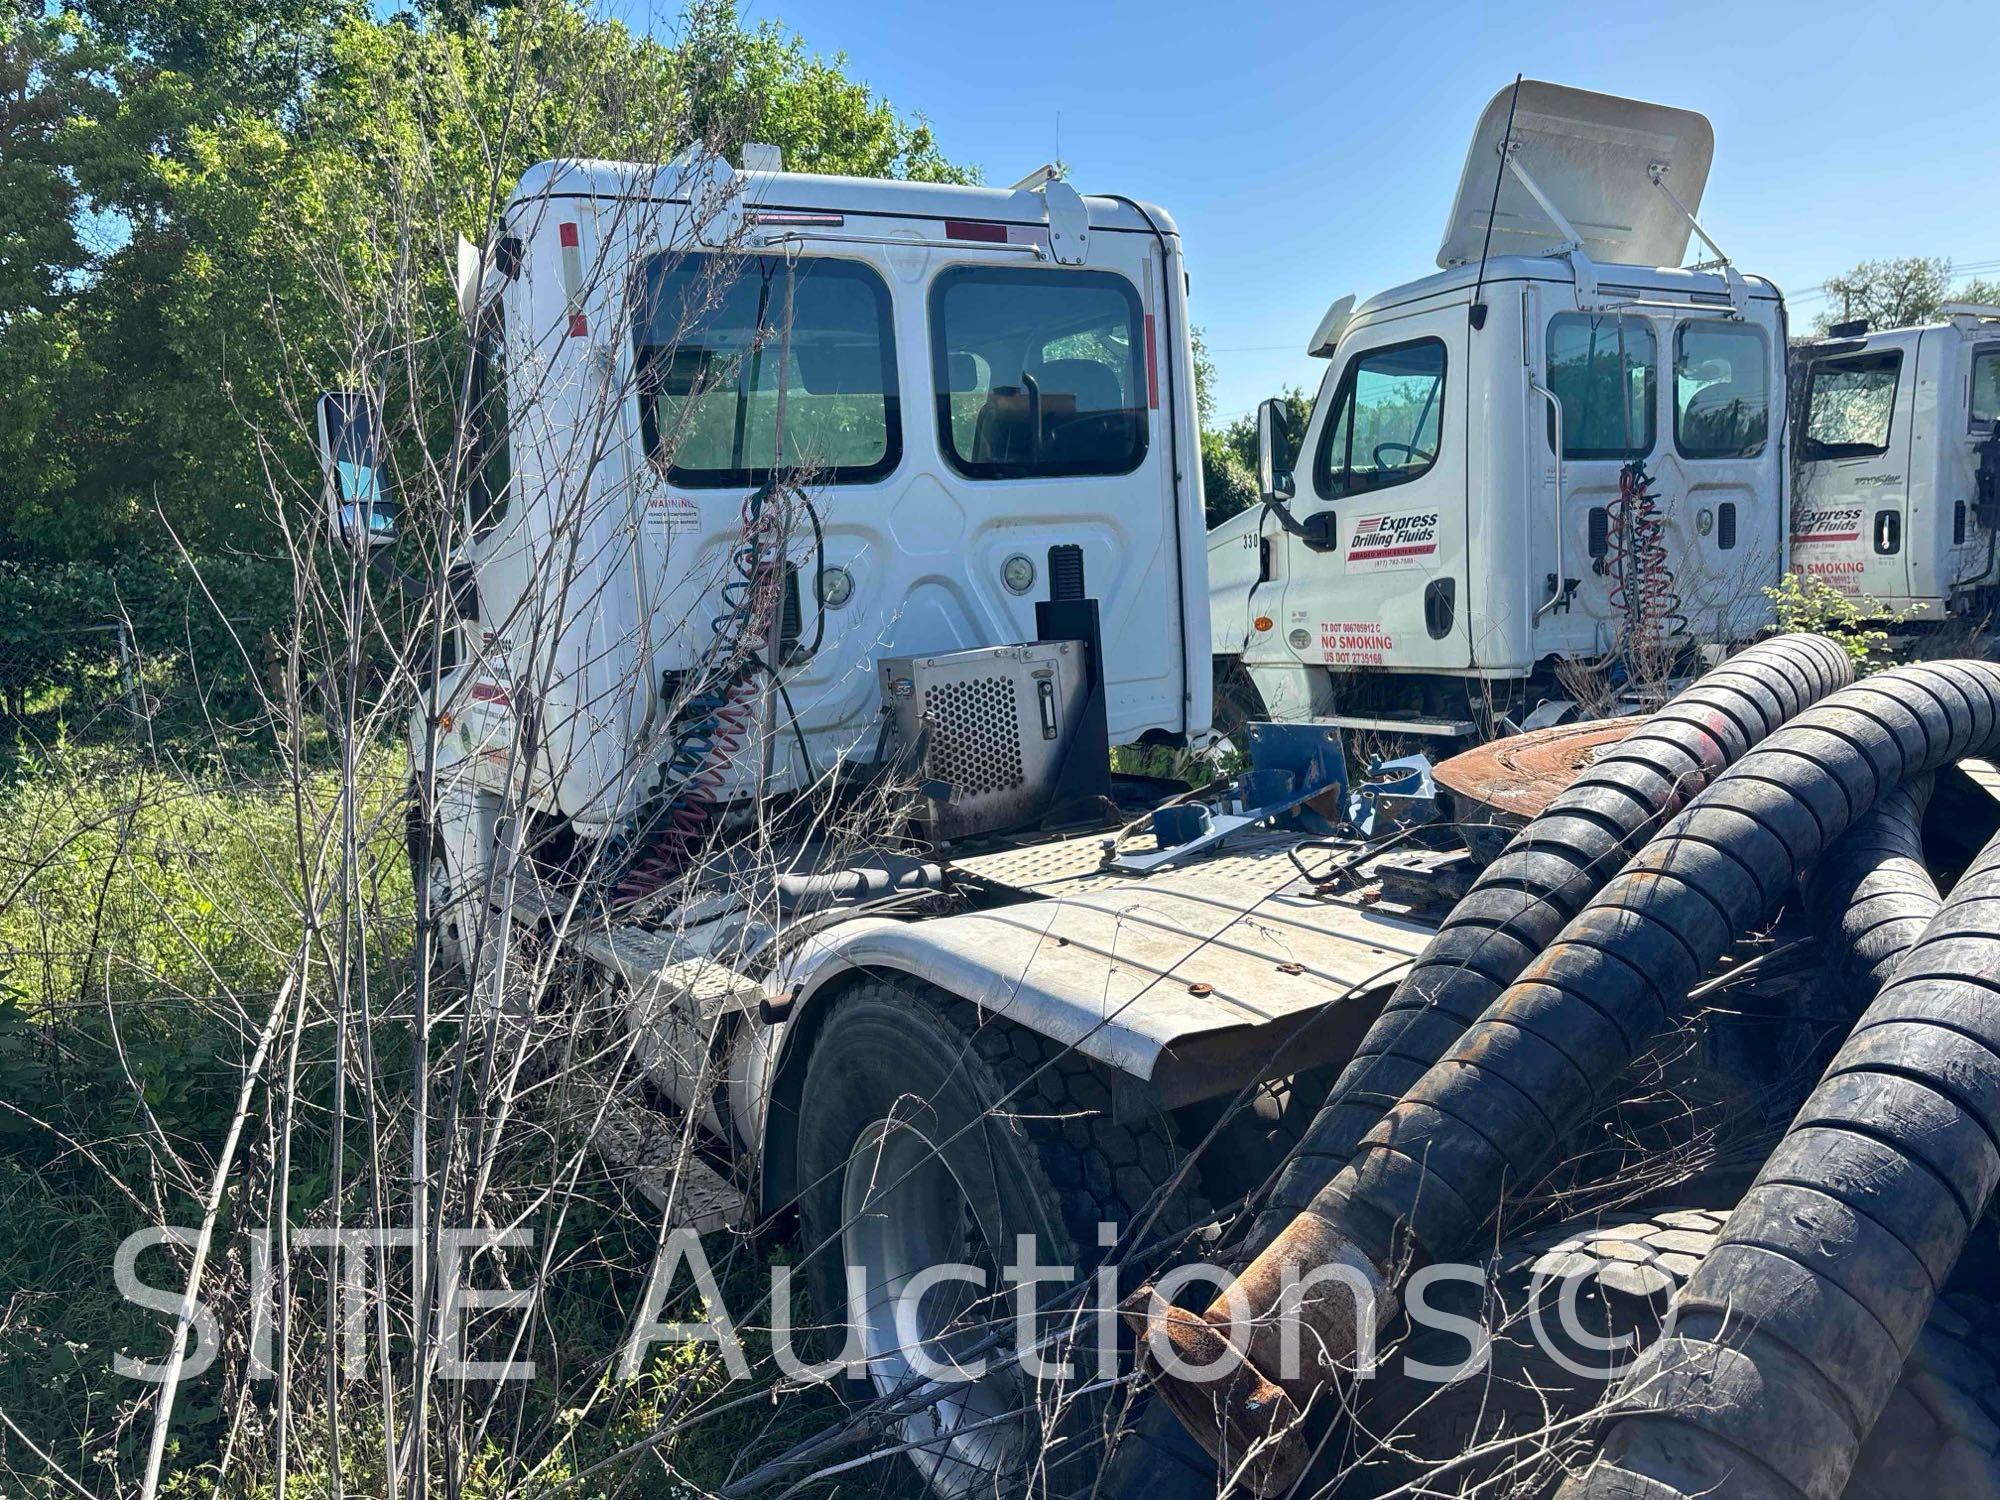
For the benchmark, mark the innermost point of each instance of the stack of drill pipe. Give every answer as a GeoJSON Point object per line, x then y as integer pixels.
{"type": "Point", "coordinates": [1789, 1338]}
{"type": "Point", "coordinates": [1542, 880]}
{"type": "Point", "coordinates": [1493, 1112]}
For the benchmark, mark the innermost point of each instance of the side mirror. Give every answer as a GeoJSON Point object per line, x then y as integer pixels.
{"type": "Point", "coordinates": [359, 505]}
{"type": "Point", "coordinates": [1274, 451]}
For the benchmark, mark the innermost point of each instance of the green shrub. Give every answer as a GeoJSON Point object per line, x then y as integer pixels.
{"type": "Point", "coordinates": [1802, 602]}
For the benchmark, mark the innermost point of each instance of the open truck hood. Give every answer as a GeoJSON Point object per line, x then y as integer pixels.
{"type": "Point", "coordinates": [1591, 153]}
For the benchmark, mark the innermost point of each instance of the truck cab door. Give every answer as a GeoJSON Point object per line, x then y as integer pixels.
{"type": "Point", "coordinates": [1380, 578]}
{"type": "Point", "coordinates": [1851, 495]}
{"type": "Point", "coordinates": [1960, 545]}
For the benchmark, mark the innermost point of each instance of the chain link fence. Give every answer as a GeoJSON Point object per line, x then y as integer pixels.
{"type": "Point", "coordinates": [86, 682]}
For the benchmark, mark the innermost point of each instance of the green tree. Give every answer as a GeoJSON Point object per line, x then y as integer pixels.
{"type": "Point", "coordinates": [248, 166]}
{"type": "Point", "coordinates": [1229, 458]}
{"type": "Point", "coordinates": [1204, 380]}
{"type": "Point", "coordinates": [1898, 293]}
{"type": "Point", "coordinates": [1228, 484]}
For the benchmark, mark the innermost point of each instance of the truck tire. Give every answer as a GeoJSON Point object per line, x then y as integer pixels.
{"type": "Point", "coordinates": [1939, 1437]}
{"type": "Point", "coordinates": [929, 1134]}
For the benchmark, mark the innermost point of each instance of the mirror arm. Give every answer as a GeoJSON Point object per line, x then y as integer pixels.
{"type": "Point", "coordinates": [1290, 523]}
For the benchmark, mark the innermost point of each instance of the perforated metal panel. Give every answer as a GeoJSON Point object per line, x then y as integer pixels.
{"type": "Point", "coordinates": [975, 735]}
{"type": "Point", "coordinates": [995, 723]}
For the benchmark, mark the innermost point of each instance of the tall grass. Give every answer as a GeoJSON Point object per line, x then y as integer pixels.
{"type": "Point", "coordinates": [130, 880]}
{"type": "Point", "coordinates": [147, 914]}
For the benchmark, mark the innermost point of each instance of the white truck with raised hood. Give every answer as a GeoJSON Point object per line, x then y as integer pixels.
{"type": "Point", "coordinates": [1896, 464]}
{"type": "Point", "coordinates": [1561, 438]}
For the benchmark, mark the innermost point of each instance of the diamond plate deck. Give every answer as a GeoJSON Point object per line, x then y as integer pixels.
{"type": "Point", "coordinates": [1136, 971]}
{"type": "Point", "coordinates": [645, 1146]}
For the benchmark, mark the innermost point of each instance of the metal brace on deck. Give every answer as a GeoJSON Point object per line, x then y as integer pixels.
{"type": "Point", "coordinates": [1290, 765]}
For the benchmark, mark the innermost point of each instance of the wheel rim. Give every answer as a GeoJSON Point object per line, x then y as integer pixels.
{"type": "Point", "coordinates": [903, 1210]}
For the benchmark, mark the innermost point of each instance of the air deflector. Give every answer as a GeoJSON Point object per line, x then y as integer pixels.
{"type": "Point", "coordinates": [1592, 154]}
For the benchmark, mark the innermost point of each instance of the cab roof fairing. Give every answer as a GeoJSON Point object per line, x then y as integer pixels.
{"type": "Point", "coordinates": [674, 181]}
{"type": "Point", "coordinates": [1502, 268]}
{"type": "Point", "coordinates": [1606, 163]}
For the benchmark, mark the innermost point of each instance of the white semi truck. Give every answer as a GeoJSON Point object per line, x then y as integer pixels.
{"type": "Point", "coordinates": [1896, 464]}
{"type": "Point", "coordinates": [819, 538]}
{"type": "Point", "coordinates": [1562, 441]}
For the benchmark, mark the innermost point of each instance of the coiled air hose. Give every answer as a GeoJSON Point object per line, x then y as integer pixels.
{"type": "Point", "coordinates": [1643, 586]}
{"type": "Point", "coordinates": [1493, 1112]}
{"type": "Point", "coordinates": [1542, 880]}
{"type": "Point", "coordinates": [1789, 1338]}
{"type": "Point", "coordinates": [715, 721]}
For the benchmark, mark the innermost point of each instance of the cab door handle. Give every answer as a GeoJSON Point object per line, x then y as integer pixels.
{"type": "Point", "coordinates": [1888, 532]}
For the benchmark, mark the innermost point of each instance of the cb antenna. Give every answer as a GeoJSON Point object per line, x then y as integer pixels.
{"type": "Point", "coordinates": [1478, 309]}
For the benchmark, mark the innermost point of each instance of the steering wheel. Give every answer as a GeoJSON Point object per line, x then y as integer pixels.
{"type": "Point", "coordinates": [1415, 455]}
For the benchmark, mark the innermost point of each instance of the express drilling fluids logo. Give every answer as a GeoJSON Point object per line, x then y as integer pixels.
{"type": "Point", "coordinates": [1837, 524]}
{"type": "Point", "coordinates": [1393, 541]}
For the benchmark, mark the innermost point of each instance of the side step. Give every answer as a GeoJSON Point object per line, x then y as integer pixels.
{"type": "Point", "coordinates": [647, 1148]}
{"type": "Point", "coordinates": [673, 1004]}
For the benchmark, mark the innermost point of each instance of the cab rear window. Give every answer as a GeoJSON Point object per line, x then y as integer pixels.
{"type": "Point", "coordinates": [1851, 405]}
{"type": "Point", "coordinates": [714, 363]}
{"type": "Point", "coordinates": [1038, 372]}
{"type": "Point", "coordinates": [1722, 390]}
{"type": "Point", "coordinates": [1604, 370]}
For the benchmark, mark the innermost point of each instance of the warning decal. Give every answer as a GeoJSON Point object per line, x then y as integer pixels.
{"type": "Point", "coordinates": [1821, 546]}
{"type": "Point", "coordinates": [1383, 543]}
{"type": "Point", "coordinates": [672, 515]}
{"type": "Point", "coordinates": [1354, 643]}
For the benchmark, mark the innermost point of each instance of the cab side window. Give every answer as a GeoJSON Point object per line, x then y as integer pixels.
{"type": "Point", "coordinates": [1986, 386]}
{"type": "Point", "coordinates": [1722, 390]}
{"type": "Point", "coordinates": [1851, 405]}
{"type": "Point", "coordinates": [1038, 372]}
{"type": "Point", "coordinates": [1388, 418]}
{"type": "Point", "coordinates": [1604, 370]}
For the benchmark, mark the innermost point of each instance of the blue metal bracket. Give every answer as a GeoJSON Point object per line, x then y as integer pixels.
{"type": "Point", "coordinates": [1312, 753]}
{"type": "Point", "coordinates": [1289, 765]}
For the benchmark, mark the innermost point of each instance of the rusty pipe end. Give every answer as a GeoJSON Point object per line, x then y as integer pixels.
{"type": "Point", "coordinates": [1235, 1413]}
{"type": "Point", "coordinates": [1240, 1375]}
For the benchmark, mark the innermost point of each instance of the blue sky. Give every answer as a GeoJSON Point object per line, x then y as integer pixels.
{"type": "Point", "coordinates": [1308, 150]}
